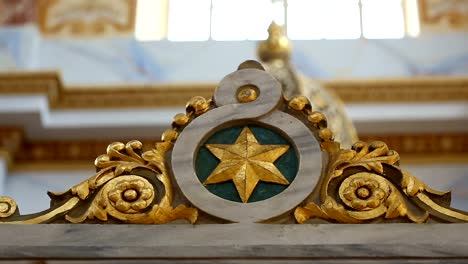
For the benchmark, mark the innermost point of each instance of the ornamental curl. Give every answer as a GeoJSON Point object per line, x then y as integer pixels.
{"type": "Point", "coordinates": [7, 206]}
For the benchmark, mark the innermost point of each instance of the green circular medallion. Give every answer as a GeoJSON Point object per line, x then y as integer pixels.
{"type": "Point", "coordinates": [246, 163]}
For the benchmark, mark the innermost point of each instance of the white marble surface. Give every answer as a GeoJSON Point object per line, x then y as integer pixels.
{"type": "Point", "coordinates": [237, 242]}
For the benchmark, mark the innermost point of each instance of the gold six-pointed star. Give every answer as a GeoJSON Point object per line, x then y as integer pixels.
{"type": "Point", "coordinates": [246, 162]}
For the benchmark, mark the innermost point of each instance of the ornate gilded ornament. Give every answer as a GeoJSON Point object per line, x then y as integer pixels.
{"type": "Point", "coordinates": [129, 186]}
{"type": "Point", "coordinates": [229, 113]}
{"type": "Point", "coordinates": [365, 184]}
{"type": "Point", "coordinates": [247, 155]}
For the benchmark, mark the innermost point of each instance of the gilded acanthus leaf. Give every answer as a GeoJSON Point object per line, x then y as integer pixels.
{"type": "Point", "coordinates": [371, 192]}
{"type": "Point", "coordinates": [127, 197]}
{"type": "Point", "coordinates": [115, 191]}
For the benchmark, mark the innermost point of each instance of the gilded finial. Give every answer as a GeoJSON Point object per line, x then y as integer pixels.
{"type": "Point", "coordinates": [276, 47]}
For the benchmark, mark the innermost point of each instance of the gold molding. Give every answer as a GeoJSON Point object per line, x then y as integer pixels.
{"type": "Point", "coordinates": [23, 153]}
{"type": "Point", "coordinates": [419, 143]}
{"type": "Point", "coordinates": [49, 84]}
{"type": "Point", "coordinates": [419, 89]}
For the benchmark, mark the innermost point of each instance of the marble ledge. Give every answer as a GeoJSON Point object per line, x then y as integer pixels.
{"type": "Point", "coordinates": [397, 242]}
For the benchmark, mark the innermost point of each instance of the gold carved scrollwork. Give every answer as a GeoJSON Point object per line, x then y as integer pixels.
{"type": "Point", "coordinates": [7, 207]}
{"type": "Point", "coordinates": [128, 197]}
{"type": "Point", "coordinates": [131, 186]}
{"type": "Point", "coordinates": [126, 188]}
{"type": "Point", "coordinates": [116, 190]}
{"type": "Point", "coordinates": [365, 184]}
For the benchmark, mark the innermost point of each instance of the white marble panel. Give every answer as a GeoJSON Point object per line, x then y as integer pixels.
{"type": "Point", "coordinates": [238, 243]}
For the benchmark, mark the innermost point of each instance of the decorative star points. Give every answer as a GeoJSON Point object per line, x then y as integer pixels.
{"type": "Point", "coordinates": [246, 163]}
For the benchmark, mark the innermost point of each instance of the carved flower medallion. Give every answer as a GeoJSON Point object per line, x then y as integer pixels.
{"type": "Point", "coordinates": [363, 192]}
{"type": "Point", "coordinates": [131, 196]}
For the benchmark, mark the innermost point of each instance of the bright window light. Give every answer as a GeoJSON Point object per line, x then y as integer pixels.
{"type": "Point", "coordinates": [240, 19]}
{"type": "Point", "coordinates": [345, 21]}
{"type": "Point", "coordinates": [151, 19]}
{"type": "Point", "coordinates": [189, 20]}
{"type": "Point", "coordinates": [382, 19]}
{"type": "Point", "coordinates": [330, 19]}
{"type": "Point", "coordinates": [198, 20]}
{"type": "Point", "coordinates": [278, 12]}
{"type": "Point", "coordinates": [412, 18]}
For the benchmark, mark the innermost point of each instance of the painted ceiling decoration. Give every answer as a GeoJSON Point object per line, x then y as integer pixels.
{"type": "Point", "coordinates": [71, 18]}
{"type": "Point", "coordinates": [443, 14]}
{"type": "Point", "coordinates": [86, 17]}
{"type": "Point", "coordinates": [18, 12]}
